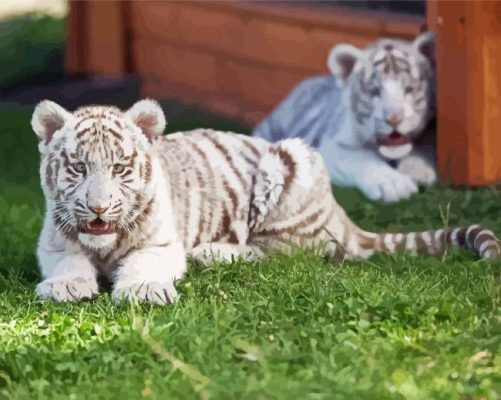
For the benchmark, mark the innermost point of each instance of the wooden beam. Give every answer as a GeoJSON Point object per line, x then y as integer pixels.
{"type": "Point", "coordinates": [106, 46]}
{"type": "Point", "coordinates": [97, 41]}
{"type": "Point", "coordinates": [468, 53]}
{"type": "Point", "coordinates": [76, 38]}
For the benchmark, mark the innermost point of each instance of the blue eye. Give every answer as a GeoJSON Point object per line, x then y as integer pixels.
{"type": "Point", "coordinates": [375, 92]}
{"type": "Point", "coordinates": [409, 89]}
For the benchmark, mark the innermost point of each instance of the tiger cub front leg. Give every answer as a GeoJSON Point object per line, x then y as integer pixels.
{"type": "Point", "coordinates": [368, 172]}
{"type": "Point", "coordinates": [68, 277]}
{"type": "Point", "coordinates": [209, 253]}
{"type": "Point", "coordinates": [149, 274]}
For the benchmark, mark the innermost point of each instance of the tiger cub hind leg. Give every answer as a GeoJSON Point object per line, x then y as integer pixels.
{"type": "Point", "coordinates": [210, 253]}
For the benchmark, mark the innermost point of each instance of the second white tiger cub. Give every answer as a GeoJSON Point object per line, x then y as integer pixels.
{"type": "Point", "coordinates": [373, 108]}
{"type": "Point", "coordinates": [125, 202]}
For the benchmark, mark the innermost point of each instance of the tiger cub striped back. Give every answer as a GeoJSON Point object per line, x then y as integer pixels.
{"type": "Point", "coordinates": [210, 177]}
{"type": "Point", "coordinates": [227, 187]}
{"type": "Point", "coordinates": [129, 203]}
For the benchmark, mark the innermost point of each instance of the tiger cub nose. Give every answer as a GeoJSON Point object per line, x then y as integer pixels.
{"type": "Point", "coordinates": [394, 119]}
{"type": "Point", "coordinates": [98, 210]}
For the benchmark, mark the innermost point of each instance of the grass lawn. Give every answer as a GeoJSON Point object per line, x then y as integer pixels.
{"type": "Point", "coordinates": [394, 327]}
{"type": "Point", "coordinates": [31, 50]}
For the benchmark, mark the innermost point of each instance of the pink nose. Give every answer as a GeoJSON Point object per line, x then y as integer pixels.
{"type": "Point", "coordinates": [394, 119]}
{"type": "Point", "coordinates": [98, 210]}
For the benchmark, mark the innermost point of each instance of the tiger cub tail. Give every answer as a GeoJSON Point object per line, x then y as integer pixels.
{"type": "Point", "coordinates": [292, 201]}
{"type": "Point", "coordinates": [297, 204]}
{"type": "Point", "coordinates": [432, 242]}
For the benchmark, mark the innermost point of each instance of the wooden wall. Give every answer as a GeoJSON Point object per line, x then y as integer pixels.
{"type": "Point", "coordinates": [238, 59]}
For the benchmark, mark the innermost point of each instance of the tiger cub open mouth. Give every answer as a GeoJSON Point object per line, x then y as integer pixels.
{"type": "Point", "coordinates": [394, 139]}
{"type": "Point", "coordinates": [97, 227]}
{"type": "Point", "coordinates": [394, 146]}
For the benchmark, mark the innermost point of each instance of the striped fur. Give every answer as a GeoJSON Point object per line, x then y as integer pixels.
{"type": "Point", "coordinates": [372, 95]}
{"type": "Point", "coordinates": [204, 193]}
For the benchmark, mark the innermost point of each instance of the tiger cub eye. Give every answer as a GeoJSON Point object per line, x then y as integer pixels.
{"type": "Point", "coordinates": [80, 167]}
{"type": "Point", "coordinates": [118, 168]}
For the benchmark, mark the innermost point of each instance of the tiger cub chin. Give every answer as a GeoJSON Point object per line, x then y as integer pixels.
{"type": "Point", "coordinates": [127, 203]}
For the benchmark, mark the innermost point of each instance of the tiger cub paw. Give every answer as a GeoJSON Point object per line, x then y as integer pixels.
{"type": "Point", "coordinates": [386, 184]}
{"type": "Point", "coordinates": [161, 293]}
{"type": "Point", "coordinates": [64, 288]}
{"type": "Point", "coordinates": [421, 170]}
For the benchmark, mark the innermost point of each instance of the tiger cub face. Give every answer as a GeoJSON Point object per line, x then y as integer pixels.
{"type": "Point", "coordinates": [95, 170]}
{"type": "Point", "coordinates": [390, 87]}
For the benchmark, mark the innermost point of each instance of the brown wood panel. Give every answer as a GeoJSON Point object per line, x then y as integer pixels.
{"type": "Point", "coordinates": [469, 90]}
{"type": "Point", "coordinates": [153, 86]}
{"type": "Point", "coordinates": [75, 54]}
{"type": "Point", "coordinates": [343, 19]}
{"type": "Point", "coordinates": [197, 70]}
{"type": "Point", "coordinates": [271, 35]}
{"type": "Point", "coordinates": [257, 85]}
{"type": "Point", "coordinates": [237, 58]}
{"type": "Point", "coordinates": [106, 34]}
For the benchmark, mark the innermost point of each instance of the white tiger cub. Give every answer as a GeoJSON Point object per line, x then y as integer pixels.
{"type": "Point", "coordinates": [370, 110]}
{"type": "Point", "coordinates": [128, 203]}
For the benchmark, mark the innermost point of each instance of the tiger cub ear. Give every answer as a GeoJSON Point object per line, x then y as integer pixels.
{"type": "Point", "coordinates": [425, 44]}
{"type": "Point", "coordinates": [342, 59]}
{"type": "Point", "coordinates": [148, 116]}
{"type": "Point", "coordinates": [48, 117]}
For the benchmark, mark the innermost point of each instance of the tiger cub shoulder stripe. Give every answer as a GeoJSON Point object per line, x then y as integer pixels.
{"type": "Point", "coordinates": [126, 202]}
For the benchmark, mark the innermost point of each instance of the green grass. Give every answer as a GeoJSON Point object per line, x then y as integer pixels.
{"type": "Point", "coordinates": [394, 327]}
{"type": "Point", "coordinates": [31, 47]}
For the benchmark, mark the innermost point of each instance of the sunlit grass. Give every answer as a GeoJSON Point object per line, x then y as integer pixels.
{"type": "Point", "coordinates": [299, 327]}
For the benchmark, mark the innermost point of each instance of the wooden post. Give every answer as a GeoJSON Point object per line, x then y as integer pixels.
{"type": "Point", "coordinates": [97, 37]}
{"type": "Point", "coordinates": [468, 52]}
{"type": "Point", "coordinates": [76, 38]}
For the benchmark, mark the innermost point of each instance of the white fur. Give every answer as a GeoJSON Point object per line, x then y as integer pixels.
{"type": "Point", "coordinates": [303, 160]}
{"type": "Point", "coordinates": [208, 253]}
{"type": "Point", "coordinates": [364, 169]}
{"type": "Point", "coordinates": [269, 184]}
{"type": "Point", "coordinates": [69, 277]}
{"type": "Point", "coordinates": [343, 57]}
{"type": "Point", "coordinates": [427, 238]}
{"type": "Point", "coordinates": [101, 242]}
{"type": "Point", "coordinates": [349, 144]}
{"type": "Point", "coordinates": [410, 243]}
{"type": "Point", "coordinates": [374, 178]}
{"type": "Point", "coordinates": [469, 244]}
{"type": "Point", "coordinates": [454, 237]}
{"type": "Point", "coordinates": [149, 274]}
{"type": "Point", "coordinates": [148, 271]}
{"type": "Point", "coordinates": [148, 108]}
{"type": "Point", "coordinates": [419, 167]}
{"type": "Point", "coordinates": [48, 118]}
{"type": "Point", "coordinates": [389, 242]}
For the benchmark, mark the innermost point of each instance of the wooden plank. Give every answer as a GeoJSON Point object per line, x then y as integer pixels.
{"type": "Point", "coordinates": [468, 54]}
{"type": "Point", "coordinates": [76, 38]}
{"type": "Point", "coordinates": [106, 37]}
{"type": "Point", "coordinates": [291, 38]}
{"type": "Point", "coordinates": [343, 19]}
